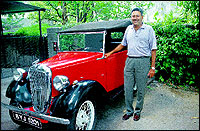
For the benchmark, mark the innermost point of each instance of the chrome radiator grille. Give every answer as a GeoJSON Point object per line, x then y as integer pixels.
{"type": "Point", "coordinates": [40, 84]}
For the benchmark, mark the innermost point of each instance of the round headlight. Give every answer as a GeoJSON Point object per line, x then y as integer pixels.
{"type": "Point", "coordinates": [18, 74]}
{"type": "Point", "coordinates": [60, 82]}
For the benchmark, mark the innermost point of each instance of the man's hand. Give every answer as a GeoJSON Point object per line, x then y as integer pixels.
{"type": "Point", "coordinates": [151, 73]}
{"type": "Point", "coordinates": [107, 54]}
{"type": "Point", "coordinates": [153, 61]}
{"type": "Point", "coordinates": [118, 48]}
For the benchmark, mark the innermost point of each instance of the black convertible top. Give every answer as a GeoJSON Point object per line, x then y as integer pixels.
{"type": "Point", "coordinates": [99, 26]}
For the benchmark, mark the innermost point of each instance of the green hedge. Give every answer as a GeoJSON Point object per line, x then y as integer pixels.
{"type": "Point", "coordinates": [32, 30]}
{"type": "Point", "coordinates": [177, 59]}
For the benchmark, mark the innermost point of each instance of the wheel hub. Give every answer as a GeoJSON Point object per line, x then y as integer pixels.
{"type": "Point", "coordinates": [85, 116]}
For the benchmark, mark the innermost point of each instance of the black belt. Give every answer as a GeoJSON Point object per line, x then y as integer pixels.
{"type": "Point", "coordinates": [138, 56]}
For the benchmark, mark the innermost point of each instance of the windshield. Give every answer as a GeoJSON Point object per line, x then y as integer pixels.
{"type": "Point", "coordinates": [92, 42]}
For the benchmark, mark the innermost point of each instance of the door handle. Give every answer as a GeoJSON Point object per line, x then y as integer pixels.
{"type": "Point", "coordinates": [101, 58]}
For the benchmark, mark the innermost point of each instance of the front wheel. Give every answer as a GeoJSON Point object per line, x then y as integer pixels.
{"type": "Point", "coordinates": [85, 118]}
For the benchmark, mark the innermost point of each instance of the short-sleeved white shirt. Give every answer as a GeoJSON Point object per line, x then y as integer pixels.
{"type": "Point", "coordinates": [140, 42]}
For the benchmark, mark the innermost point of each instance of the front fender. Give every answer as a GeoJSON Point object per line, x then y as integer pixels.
{"type": "Point", "coordinates": [65, 104]}
{"type": "Point", "coordinates": [18, 91]}
{"type": "Point", "coordinates": [10, 92]}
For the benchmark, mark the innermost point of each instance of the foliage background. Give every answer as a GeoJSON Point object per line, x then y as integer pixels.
{"type": "Point", "coordinates": [178, 46]}
{"type": "Point", "coordinates": [177, 59]}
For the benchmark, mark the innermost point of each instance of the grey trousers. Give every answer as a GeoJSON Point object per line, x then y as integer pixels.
{"type": "Point", "coordinates": [135, 73]}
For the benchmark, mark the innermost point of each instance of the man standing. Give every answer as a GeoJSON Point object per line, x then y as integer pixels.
{"type": "Point", "coordinates": [141, 42]}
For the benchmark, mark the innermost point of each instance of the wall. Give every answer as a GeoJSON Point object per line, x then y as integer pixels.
{"type": "Point", "coordinates": [21, 54]}
{"type": "Point", "coordinates": [52, 37]}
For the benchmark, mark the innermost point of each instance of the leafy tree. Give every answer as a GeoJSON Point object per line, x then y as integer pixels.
{"type": "Point", "coordinates": [106, 10]}
{"type": "Point", "coordinates": [64, 12]}
{"type": "Point", "coordinates": [190, 11]}
{"type": "Point", "coordinates": [12, 21]}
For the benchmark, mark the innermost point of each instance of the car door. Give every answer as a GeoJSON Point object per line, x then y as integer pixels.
{"type": "Point", "coordinates": [115, 70]}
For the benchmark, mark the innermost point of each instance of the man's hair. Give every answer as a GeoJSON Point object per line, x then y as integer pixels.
{"type": "Point", "coordinates": [137, 9]}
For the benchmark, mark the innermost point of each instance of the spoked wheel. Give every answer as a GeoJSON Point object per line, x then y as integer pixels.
{"type": "Point", "coordinates": [85, 118]}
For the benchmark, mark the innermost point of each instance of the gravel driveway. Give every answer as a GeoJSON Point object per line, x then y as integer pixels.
{"type": "Point", "coordinates": [165, 108]}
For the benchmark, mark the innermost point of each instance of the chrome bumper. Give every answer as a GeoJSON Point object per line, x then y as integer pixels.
{"type": "Point", "coordinates": [38, 115]}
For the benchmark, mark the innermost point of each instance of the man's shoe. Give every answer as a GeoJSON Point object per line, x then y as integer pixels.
{"type": "Point", "coordinates": [126, 117]}
{"type": "Point", "coordinates": [136, 117]}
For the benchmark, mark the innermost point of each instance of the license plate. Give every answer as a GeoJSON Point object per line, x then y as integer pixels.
{"type": "Point", "coordinates": [27, 119]}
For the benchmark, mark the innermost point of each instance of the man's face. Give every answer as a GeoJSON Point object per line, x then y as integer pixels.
{"type": "Point", "coordinates": [136, 18]}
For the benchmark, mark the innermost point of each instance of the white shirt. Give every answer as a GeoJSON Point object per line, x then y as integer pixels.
{"type": "Point", "coordinates": [140, 42]}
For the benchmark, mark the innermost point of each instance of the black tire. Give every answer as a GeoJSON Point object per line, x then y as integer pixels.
{"type": "Point", "coordinates": [84, 117]}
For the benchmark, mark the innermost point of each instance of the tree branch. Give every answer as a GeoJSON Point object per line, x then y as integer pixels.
{"type": "Point", "coordinates": [55, 9]}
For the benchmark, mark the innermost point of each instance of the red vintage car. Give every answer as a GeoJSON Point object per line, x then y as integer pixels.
{"type": "Point", "coordinates": [65, 88]}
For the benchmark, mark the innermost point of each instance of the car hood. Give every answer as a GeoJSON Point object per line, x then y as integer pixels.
{"type": "Point", "coordinates": [70, 58]}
